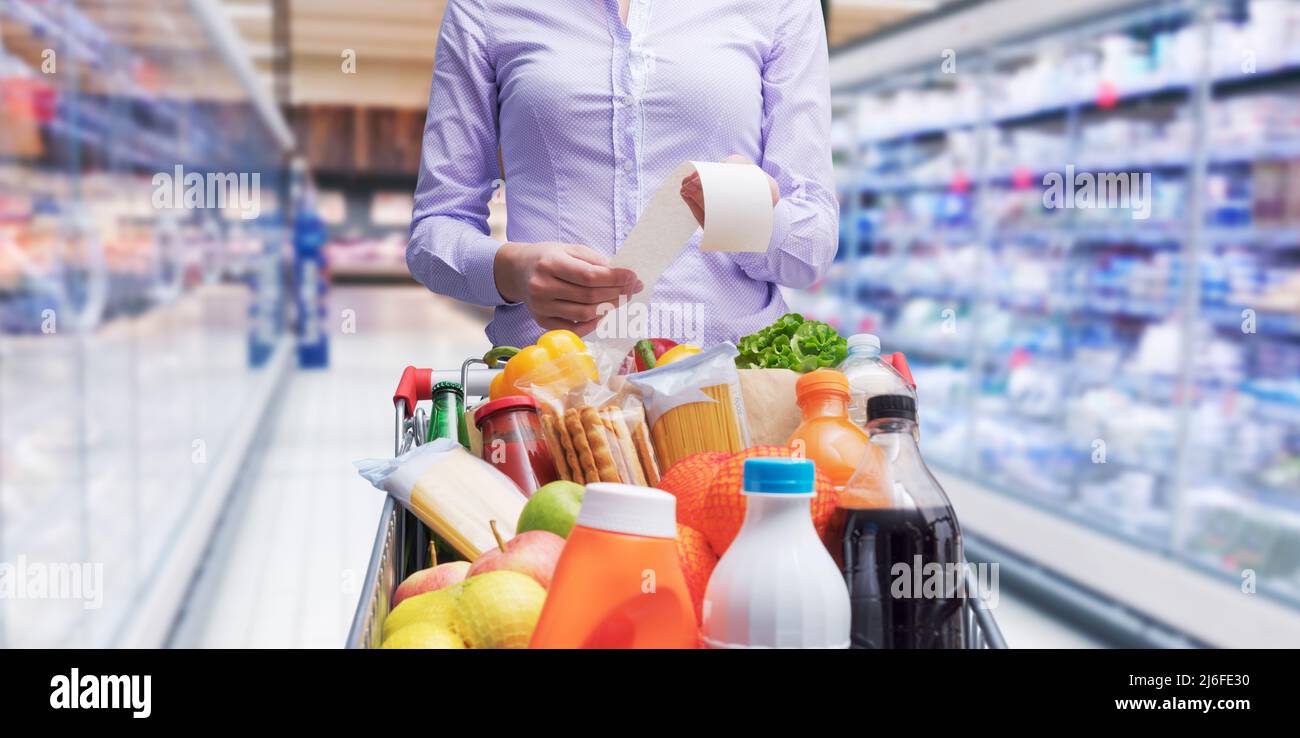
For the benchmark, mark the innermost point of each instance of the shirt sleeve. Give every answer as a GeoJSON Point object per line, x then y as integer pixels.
{"type": "Point", "coordinates": [450, 250]}
{"type": "Point", "coordinates": [796, 153]}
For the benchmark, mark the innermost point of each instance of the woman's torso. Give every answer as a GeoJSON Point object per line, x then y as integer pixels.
{"type": "Point", "coordinates": [580, 161]}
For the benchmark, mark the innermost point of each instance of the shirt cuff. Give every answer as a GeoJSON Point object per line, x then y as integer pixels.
{"type": "Point", "coordinates": [480, 272]}
{"type": "Point", "coordinates": [759, 261]}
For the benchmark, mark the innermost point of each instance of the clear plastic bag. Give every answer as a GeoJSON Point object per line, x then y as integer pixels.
{"type": "Point", "coordinates": [694, 404]}
{"type": "Point", "coordinates": [596, 429]}
{"type": "Point", "coordinates": [452, 491]}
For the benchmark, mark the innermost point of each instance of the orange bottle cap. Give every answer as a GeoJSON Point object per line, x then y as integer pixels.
{"type": "Point", "coordinates": [822, 380]}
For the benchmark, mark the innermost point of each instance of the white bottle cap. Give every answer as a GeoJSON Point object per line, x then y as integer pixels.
{"type": "Point", "coordinates": [863, 339]}
{"type": "Point", "coordinates": [628, 508]}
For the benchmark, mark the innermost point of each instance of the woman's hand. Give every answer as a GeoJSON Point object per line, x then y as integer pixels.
{"type": "Point", "coordinates": [693, 192]}
{"type": "Point", "coordinates": [563, 284]}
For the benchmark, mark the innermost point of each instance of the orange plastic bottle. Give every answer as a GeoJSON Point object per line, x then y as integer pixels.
{"type": "Point", "coordinates": [618, 583]}
{"type": "Point", "coordinates": [826, 436]}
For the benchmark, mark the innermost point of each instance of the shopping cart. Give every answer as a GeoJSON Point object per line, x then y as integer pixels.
{"type": "Point", "coordinates": [399, 551]}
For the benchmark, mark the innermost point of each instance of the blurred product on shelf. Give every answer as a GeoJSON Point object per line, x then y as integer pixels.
{"type": "Point", "coordinates": [370, 257]}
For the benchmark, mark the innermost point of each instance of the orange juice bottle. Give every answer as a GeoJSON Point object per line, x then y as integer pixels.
{"type": "Point", "coordinates": [618, 583]}
{"type": "Point", "coordinates": [826, 436]}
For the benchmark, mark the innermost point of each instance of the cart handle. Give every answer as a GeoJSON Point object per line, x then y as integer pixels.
{"type": "Point", "coordinates": [415, 385]}
{"type": "Point", "coordinates": [899, 362]}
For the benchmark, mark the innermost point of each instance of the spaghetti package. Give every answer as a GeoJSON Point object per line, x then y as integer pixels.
{"type": "Point", "coordinates": [596, 430]}
{"type": "Point", "coordinates": [450, 490]}
{"type": "Point", "coordinates": [694, 404]}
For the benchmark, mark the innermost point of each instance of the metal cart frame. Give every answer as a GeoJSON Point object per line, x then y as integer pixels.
{"type": "Point", "coordinates": [393, 558]}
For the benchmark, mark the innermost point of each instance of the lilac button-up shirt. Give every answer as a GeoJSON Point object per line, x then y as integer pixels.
{"type": "Point", "coordinates": [591, 114]}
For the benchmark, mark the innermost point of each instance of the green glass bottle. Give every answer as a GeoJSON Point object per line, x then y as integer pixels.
{"type": "Point", "coordinates": [448, 417]}
{"type": "Point", "coordinates": [446, 420]}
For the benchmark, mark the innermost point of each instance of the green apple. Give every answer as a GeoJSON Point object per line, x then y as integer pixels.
{"type": "Point", "coordinates": [552, 507]}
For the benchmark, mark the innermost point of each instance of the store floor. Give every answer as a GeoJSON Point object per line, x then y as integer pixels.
{"type": "Point", "coordinates": [285, 567]}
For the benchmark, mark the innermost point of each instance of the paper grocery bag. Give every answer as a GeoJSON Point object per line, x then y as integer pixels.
{"type": "Point", "coordinates": [475, 437]}
{"type": "Point", "coordinates": [770, 409]}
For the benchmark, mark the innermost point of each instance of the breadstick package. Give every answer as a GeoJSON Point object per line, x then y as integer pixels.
{"type": "Point", "coordinates": [596, 430]}
{"type": "Point", "coordinates": [694, 404]}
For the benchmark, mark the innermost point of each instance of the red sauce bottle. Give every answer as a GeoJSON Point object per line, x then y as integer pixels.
{"type": "Point", "coordinates": [513, 441]}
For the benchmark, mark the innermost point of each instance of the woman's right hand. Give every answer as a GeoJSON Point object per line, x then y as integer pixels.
{"type": "Point", "coordinates": [562, 284]}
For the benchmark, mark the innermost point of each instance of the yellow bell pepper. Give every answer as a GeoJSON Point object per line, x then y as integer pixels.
{"type": "Point", "coordinates": [680, 351]}
{"type": "Point", "coordinates": [496, 390]}
{"type": "Point", "coordinates": [561, 342]}
{"type": "Point", "coordinates": [562, 352]}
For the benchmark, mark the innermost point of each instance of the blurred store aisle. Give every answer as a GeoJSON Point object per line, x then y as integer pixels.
{"type": "Point", "coordinates": [286, 567]}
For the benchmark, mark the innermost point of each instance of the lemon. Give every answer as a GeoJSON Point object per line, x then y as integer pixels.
{"type": "Point", "coordinates": [423, 635]}
{"type": "Point", "coordinates": [498, 609]}
{"type": "Point", "coordinates": [431, 607]}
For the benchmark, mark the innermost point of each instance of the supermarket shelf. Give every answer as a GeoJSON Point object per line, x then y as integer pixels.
{"type": "Point", "coordinates": [1153, 90]}
{"type": "Point", "coordinates": [230, 43]}
{"type": "Point", "coordinates": [1164, 588]}
{"type": "Point", "coordinates": [1136, 234]}
{"type": "Point", "coordinates": [88, 119]}
{"type": "Point", "coordinates": [162, 593]}
{"type": "Point", "coordinates": [1220, 156]}
{"type": "Point", "coordinates": [933, 221]}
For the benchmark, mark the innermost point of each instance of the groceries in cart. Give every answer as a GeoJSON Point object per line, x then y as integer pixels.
{"type": "Point", "coordinates": [676, 497]}
{"type": "Point", "coordinates": [693, 404]}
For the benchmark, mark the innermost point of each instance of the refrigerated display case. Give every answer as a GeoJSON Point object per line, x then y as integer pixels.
{"type": "Point", "coordinates": [126, 391]}
{"type": "Point", "coordinates": [1135, 370]}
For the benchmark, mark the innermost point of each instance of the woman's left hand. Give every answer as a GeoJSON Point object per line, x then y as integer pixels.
{"type": "Point", "coordinates": [693, 192]}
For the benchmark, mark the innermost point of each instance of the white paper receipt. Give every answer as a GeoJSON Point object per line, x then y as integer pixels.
{"type": "Point", "coordinates": [737, 217]}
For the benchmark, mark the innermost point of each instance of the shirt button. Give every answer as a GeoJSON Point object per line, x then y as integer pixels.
{"type": "Point", "coordinates": [629, 100]}
{"type": "Point", "coordinates": [627, 165]}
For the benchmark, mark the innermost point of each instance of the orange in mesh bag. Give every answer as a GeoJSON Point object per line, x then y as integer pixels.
{"type": "Point", "coordinates": [723, 508]}
{"type": "Point", "coordinates": [688, 480]}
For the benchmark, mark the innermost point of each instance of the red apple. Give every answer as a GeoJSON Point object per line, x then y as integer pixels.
{"type": "Point", "coordinates": [431, 579]}
{"type": "Point", "coordinates": [534, 553]}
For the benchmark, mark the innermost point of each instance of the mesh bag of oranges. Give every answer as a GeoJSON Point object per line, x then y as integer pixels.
{"type": "Point", "coordinates": [709, 499]}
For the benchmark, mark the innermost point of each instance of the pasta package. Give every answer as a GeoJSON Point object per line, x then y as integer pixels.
{"type": "Point", "coordinates": [694, 404]}
{"type": "Point", "coordinates": [452, 491]}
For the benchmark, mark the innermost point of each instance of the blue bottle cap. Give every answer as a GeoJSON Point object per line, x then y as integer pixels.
{"type": "Point", "coordinates": [779, 476]}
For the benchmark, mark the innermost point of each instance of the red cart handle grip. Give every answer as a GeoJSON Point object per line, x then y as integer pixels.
{"type": "Point", "coordinates": [415, 385]}
{"type": "Point", "coordinates": [899, 362]}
